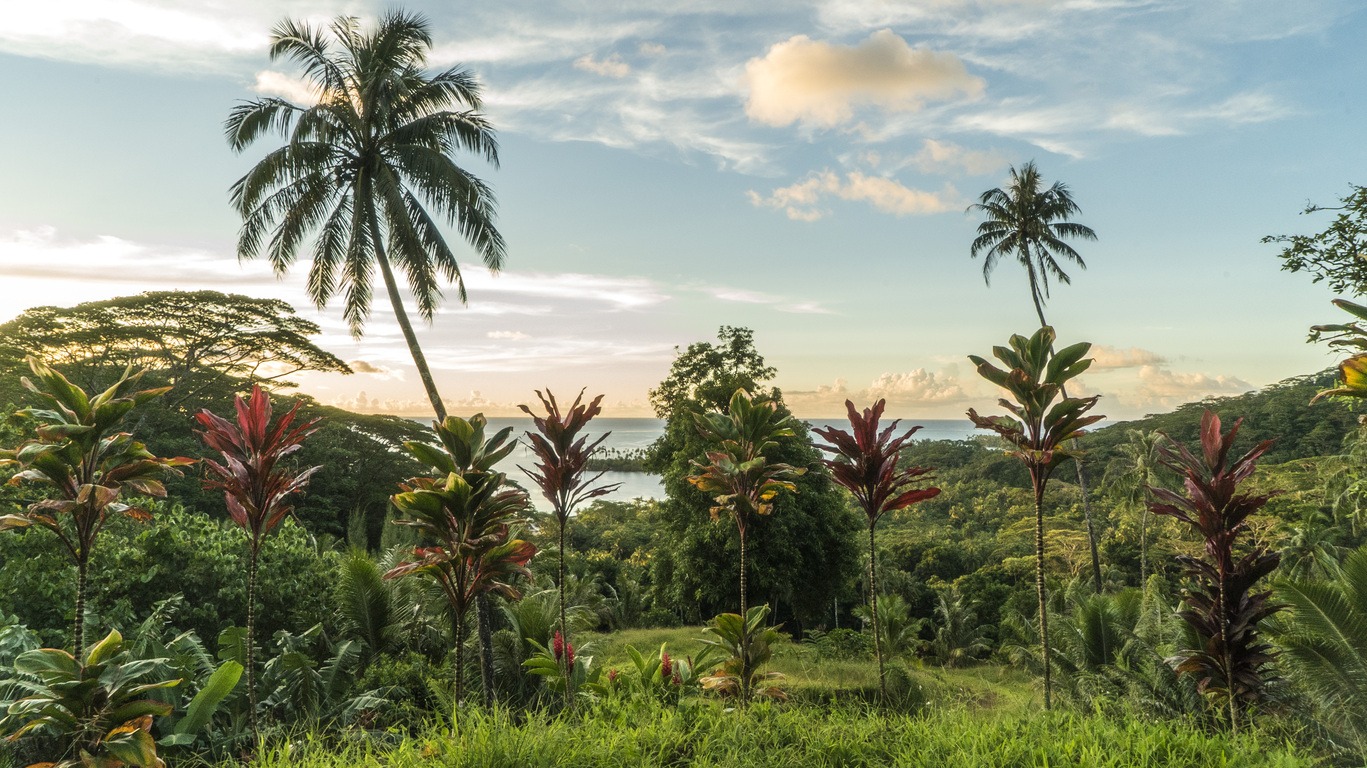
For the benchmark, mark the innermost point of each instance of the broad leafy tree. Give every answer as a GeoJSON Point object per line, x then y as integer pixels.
{"type": "Point", "coordinates": [864, 461]}
{"type": "Point", "coordinates": [368, 170]}
{"type": "Point", "coordinates": [1220, 605]}
{"type": "Point", "coordinates": [87, 464]}
{"type": "Point", "coordinates": [196, 340]}
{"type": "Point", "coordinates": [257, 483]}
{"type": "Point", "coordinates": [1041, 423]}
{"type": "Point", "coordinates": [740, 477]}
{"type": "Point", "coordinates": [810, 544]}
{"type": "Point", "coordinates": [1334, 254]}
{"type": "Point", "coordinates": [561, 472]}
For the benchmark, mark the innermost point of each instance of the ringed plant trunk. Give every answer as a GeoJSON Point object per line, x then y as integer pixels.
{"type": "Point", "coordinates": [251, 640]}
{"type": "Point", "coordinates": [873, 611]}
{"type": "Point", "coordinates": [460, 668]}
{"type": "Point", "coordinates": [743, 605]}
{"type": "Point", "coordinates": [78, 632]}
{"type": "Point", "coordinates": [482, 606]}
{"type": "Point", "coordinates": [1039, 588]}
{"type": "Point", "coordinates": [1225, 652]}
{"type": "Point", "coordinates": [564, 625]}
{"type": "Point", "coordinates": [1081, 475]}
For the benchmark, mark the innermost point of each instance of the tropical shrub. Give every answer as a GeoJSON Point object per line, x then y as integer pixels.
{"type": "Point", "coordinates": [1040, 432]}
{"type": "Point", "coordinates": [1229, 659]}
{"type": "Point", "coordinates": [99, 704]}
{"type": "Point", "coordinates": [865, 462]}
{"type": "Point", "coordinates": [745, 645]}
{"type": "Point", "coordinates": [257, 485]}
{"type": "Point", "coordinates": [81, 458]}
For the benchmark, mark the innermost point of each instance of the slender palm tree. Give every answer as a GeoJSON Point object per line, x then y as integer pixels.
{"type": "Point", "coordinates": [1029, 222]}
{"type": "Point", "coordinates": [369, 169]}
{"type": "Point", "coordinates": [1139, 467]}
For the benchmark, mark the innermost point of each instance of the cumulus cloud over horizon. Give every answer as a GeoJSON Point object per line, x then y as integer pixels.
{"type": "Point", "coordinates": [821, 84]}
{"type": "Point", "coordinates": [801, 201]}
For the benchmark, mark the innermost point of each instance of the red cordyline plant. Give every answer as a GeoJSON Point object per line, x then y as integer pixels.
{"type": "Point", "coordinates": [80, 454]}
{"type": "Point", "coordinates": [257, 484]}
{"type": "Point", "coordinates": [562, 460]}
{"type": "Point", "coordinates": [1039, 429]}
{"type": "Point", "coordinates": [1220, 605]}
{"type": "Point", "coordinates": [466, 518]}
{"type": "Point", "coordinates": [865, 464]}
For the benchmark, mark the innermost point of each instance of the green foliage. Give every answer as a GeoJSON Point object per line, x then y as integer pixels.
{"type": "Point", "coordinates": [807, 550]}
{"type": "Point", "coordinates": [746, 644]}
{"type": "Point", "coordinates": [1323, 637]}
{"type": "Point", "coordinates": [368, 165]}
{"type": "Point", "coordinates": [959, 637]}
{"type": "Point", "coordinates": [1334, 254]}
{"type": "Point", "coordinates": [1029, 223]}
{"type": "Point", "coordinates": [100, 705]}
{"type": "Point", "coordinates": [82, 459]}
{"type": "Point", "coordinates": [197, 340]}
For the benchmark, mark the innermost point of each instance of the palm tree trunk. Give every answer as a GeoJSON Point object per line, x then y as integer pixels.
{"type": "Point", "coordinates": [1039, 588]}
{"type": "Point", "coordinates": [1144, 546]}
{"type": "Point", "coordinates": [78, 633]}
{"type": "Point", "coordinates": [251, 643]}
{"type": "Point", "coordinates": [401, 315]}
{"type": "Point", "coordinates": [873, 611]}
{"type": "Point", "coordinates": [482, 606]}
{"type": "Point", "coordinates": [1087, 515]}
{"type": "Point", "coordinates": [484, 629]}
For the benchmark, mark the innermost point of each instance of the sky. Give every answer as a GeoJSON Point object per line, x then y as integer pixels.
{"type": "Point", "coordinates": [802, 169]}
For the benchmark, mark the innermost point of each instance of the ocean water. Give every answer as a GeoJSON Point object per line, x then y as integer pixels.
{"type": "Point", "coordinates": [635, 434]}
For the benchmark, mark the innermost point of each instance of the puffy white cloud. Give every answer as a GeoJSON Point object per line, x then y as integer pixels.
{"type": "Point", "coordinates": [820, 83]}
{"type": "Point", "coordinates": [1164, 387]}
{"type": "Point", "coordinates": [914, 390]}
{"type": "Point", "coordinates": [801, 201]}
{"type": "Point", "coordinates": [612, 66]}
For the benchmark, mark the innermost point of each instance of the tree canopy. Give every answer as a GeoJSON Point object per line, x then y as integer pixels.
{"type": "Point", "coordinates": [1335, 253]}
{"type": "Point", "coordinates": [192, 339]}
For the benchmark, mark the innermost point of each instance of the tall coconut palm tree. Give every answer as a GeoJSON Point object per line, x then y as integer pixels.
{"type": "Point", "coordinates": [1028, 222]}
{"type": "Point", "coordinates": [369, 169]}
{"type": "Point", "coordinates": [1137, 468]}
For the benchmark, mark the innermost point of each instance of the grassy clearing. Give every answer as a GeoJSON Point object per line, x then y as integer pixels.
{"type": "Point", "coordinates": [616, 735]}
{"type": "Point", "coordinates": [811, 678]}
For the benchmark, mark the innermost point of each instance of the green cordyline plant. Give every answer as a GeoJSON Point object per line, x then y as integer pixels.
{"type": "Point", "coordinates": [562, 459]}
{"type": "Point", "coordinates": [737, 472]}
{"type": "Point", "coordinates": [864, 462]}
{"type": "Point", "coordinates": [257, 485]}
{"type": "Point", "coordinates": [80, 454]}
{"type": "Point", "coordinates": [96, 702]}
{"type": "Point", "coordinates": [1041, 423]}
{"type": "Point", "coordinates": [464, 518]}
{"type": "Point", "coordinates": [746, 644]}
{"type": "Point", "coordinates": [1220, 604]}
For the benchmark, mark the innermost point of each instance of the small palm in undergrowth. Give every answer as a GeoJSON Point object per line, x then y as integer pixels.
{"type": "Point", "coordinates": [746, 645]}
{"type": "Point", "coordinates": [257, 484]}
{"type": "Point", "coordinates": [80, 454]}
{"type": "Point", "coordinates": [562, 456]}
{"type": "Point", "coordinates": [864, 462]}
{"type": "Point", "coordinates": [1220, 605]}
